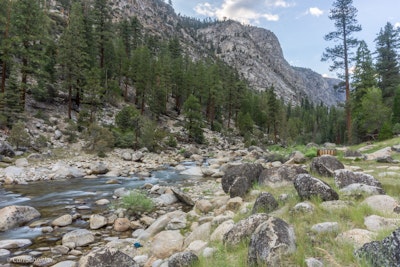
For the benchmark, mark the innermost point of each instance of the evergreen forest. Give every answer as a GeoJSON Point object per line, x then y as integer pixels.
{"type": "Point", "coordinates": [84, 59]}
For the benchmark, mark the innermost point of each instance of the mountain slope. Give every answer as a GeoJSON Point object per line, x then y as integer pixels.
{"type": "Point", "coordinates": [255, 52]}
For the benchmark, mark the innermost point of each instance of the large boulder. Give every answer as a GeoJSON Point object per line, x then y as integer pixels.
{"type": "Point", "coordinates": [326, 165]}
{"type": "Point", "coordinates": [183, 197]}
{"type": "Point", "coordinates": [244, 229]}
{"type": "Point", "coordinates": [264, 203]}
{"type": "Point", "coordinates": [382, 253]}
{"type": "Point", "coordinates": [308, 187]}
{"type": "Point", "coordinates": [344, 178]}
{"type": "Point", "coordinates": [14, 216]}
{"type": "Point", "coordinates": [166, 243]}
{"type": "Point", "coordinates": [63, 220]}
{"type": "Point", "coordinates": [280, 176]}
{"type": "Point", "coordinates": [61, 170]}
{"type": "Point", "coordinates": [80, 237]}
{"type": "Point", "coordinates": [105, 257]}
{"type": "Point", "coordinates": [238, 179]}
{"type": "Point", "coordinates": [382, 203]}
{"type": "Point", "coordinates": [182, 259]}
{"type": "Point", "coordinates": [14, 243]}
{"type": "Point", "coordinates": [97, 221]}
{"type": "Point", "coordinates": [6, 149]}
{"type": "Point", "coordinates": [272, 239]}
{"type": "Point", "coordinates": [98, 168]}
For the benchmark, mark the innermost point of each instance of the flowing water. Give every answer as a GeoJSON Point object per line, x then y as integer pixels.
{"type": "Point", "coordinates": [55, 198]}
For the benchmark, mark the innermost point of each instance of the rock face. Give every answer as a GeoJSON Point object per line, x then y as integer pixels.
{"type": "Point", "coordinates": [326, 165]}
{"type": "Point", "coordinates": [272, 239]}
{"type": "Point", "coordinates": [238, 179]}
{"type": "Point", "coordinates": [308, 187]}
{"type": "Point", "coordinates": [265, 203]}
{"type": "Point", "coordinates": [105, 257]}
{"type": "Point", "coordinates": [280, 176]}
{"type": "Point", "coordinates": [382, 253]}
{"type": "Point", "coordinates": [344, 178]}
{"type": "Point", "coordinates": [14, 216]}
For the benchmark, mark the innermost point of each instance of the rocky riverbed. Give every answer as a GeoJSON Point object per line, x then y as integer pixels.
{"type": "Point", "coordinates": [192, 216]}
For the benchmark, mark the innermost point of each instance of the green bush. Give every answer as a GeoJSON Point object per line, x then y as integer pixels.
{"type": "Point", "coordinates": [18, 136]}
{"type": "Point", "coordinates": [125, 139]}
{"type": "Point", "coordinates": [41, 141]}
{"type": "Point", "coordinates": [171, 141]}
{"type": "Point", "coordinates": [99, 139]}
{"type": "Point", "coordinates": [137, 202]}
{"type": "Point", "coordinates": [311, 152]}
{"type": "Point", "coordinates": [396, 128]}
{"type": "Point", "coordinates": [385, 132]}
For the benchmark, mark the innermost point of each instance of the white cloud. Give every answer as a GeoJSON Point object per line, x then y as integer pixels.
{"type": "Point", "coordinates": [245, 11]}
{"type": "Point", "coordinates": [315, 11]}
{"type": "Point", "coordinates": [205, 9]}
{"type": "Point", "coordinates": [280, 3]}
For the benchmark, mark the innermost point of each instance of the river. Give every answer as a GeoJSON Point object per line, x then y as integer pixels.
{"type": "Point", "coordinates": [55, 198]}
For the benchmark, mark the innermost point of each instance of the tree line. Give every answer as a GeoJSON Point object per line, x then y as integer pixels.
{"type": "Point", "coordinates": [85, 58]}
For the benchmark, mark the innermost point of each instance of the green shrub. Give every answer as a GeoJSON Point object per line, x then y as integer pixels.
{"type": "Point", "coordinates": [41, 141]}
{"type": "Point", "coordinates": [171, 141]}
{"type": "Point", "coordinates": [311, 152]}
{"type": "Point", "coordinates": [18, 136]}
{"type": "Point", "coordinates": [125, 139]}
{"type": "Point", "coordinates": [99, 139]}
{"type": "Point", "coordinates": [137, 202]}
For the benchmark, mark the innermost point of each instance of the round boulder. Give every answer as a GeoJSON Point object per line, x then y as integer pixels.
{"type": "Point", "coordinates": [308, 187]}
{"type": "Point", "coordinates": [14, 216]}
{"type": "Point", "coordinates": [182, 259]}
{"type": "Point", "coordinates": [272, 239]}
{"type": "Point", "coordinates": [265, 203]}
{"type": "Point", "coordinates": [326, 165]}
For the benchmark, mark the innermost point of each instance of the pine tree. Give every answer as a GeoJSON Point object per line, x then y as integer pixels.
{"type": "Point", "coordinates": [142, 75]}
{"type": "Point", "coordinates": [29, 33]}
{"type": "Point", "coordinates": [364, 78]}
{"type": "Point", "coordinates": [375, 113]}
{"type": "Point", "coordinates": [387, 65]}
{"type": "Point", "coordinates": [364, 72]}
{"type": "Point", "coordinates": [72, 55]}
{"type": "Point", "coordinates": [93, 93]}
{"type": "Point", "coordinates": [396, 107]}
{"type": "Point", "coordinates": [273, 113]}
{"type": "Point", "coordinates": [5, 17]}
{"type": "Point", "coordinates": [192, 112]}
{"type": "Point", "coordinates": [102, 28]}
{"type": "Point", "coordinates": [344, 15]}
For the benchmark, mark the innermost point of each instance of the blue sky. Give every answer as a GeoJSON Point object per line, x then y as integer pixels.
{"type": "Point", "coordinates": [300, 25]}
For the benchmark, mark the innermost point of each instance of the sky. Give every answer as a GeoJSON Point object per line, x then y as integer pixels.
{"type": "Point", "coordinates": [300, 25]}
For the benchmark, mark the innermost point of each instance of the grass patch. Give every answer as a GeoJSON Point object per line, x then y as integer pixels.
{"type": "Point", "coordinates": [137, 202]}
